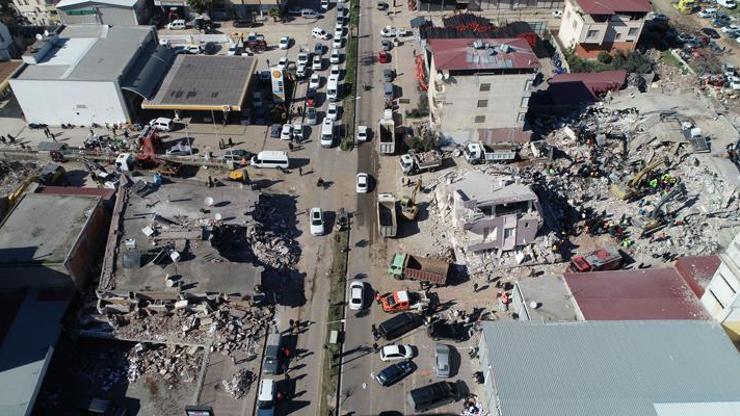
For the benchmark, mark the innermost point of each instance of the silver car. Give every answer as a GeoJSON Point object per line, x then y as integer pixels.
{"type": "Point", "coordinates": [442, 360]}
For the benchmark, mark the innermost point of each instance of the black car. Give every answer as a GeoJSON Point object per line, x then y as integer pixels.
{"type": "Point", "coordinates": [244, 23]}
{"type": "Point", "coordinates": [710, 32]}
{"type": "Point", "coordinates": [453, 331]}
{"type": "Point", "coordinates": [275, 130]}
{"type": "Point", "coordinates": [395, 372]}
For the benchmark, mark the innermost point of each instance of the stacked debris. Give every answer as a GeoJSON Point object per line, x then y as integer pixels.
{"type": "Point", "coordinates": [239, 384]}
{"type": "Point", "coordinates": [12, 173]}
{"type": "Point", "coordinates": [272, 249]}
{"type": "Point", "coordinates": [172, 363]}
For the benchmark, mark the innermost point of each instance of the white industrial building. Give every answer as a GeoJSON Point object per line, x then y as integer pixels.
{"type": "Point", "coordinates": [88, 74]}
{"type": "Point", "coordinates": [105, 12]}
{"type": "Point", "coordinates": [480, 84]}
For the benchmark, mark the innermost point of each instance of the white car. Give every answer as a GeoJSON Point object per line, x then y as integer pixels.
{"type": "Point", "coordinates": [557, 14]}
{"type": "Point", "coordinates": [282, 63]}
{"type": "Point", "coordinates": [317, 63]}
{"type": "Point", "coordinates": [303, 58]}
{"type": "Point", "coordinates": [390, 32]}
{"type": "Point", "coordinates": [332, 112]}
{"type": "Point", "coordinates": [284, 42]}
{"type": "Point", "coordinates": [317, 221]}
{"type": "Point", "coordinates": [335, 57]}
{"type": "Point", "coordinates": [335, 71]}
{"type": "Point", "coordinates": [338, 32]}
{"type": "Point", "coordinates": [301, 71]}
{"type": "Point", "coordinates": [339, 26]}
{"type": "Point", "coordinates": [324, 5]}
{"type": "Point", "coordinates": [315, 81]}
{"type": "Point", "coordinates": [362, 133]}
{"type": "Point", "coordinates": [286, 132]}
{"type": "Point", "coordinates": [319, 33]}
{"type": "Point", "coordinates": [362, 183]}
{"type": "Point", "coordinates": [729, 28]}
{"type": "Point", "coordinates": [336, 43]}
{"type": "Point", "coordinates": [356, 295]}
{"type": "Point", "coordinates": [397, 352]}
{"type": "Point", "coordinates": [342, 12]}
{"type": "Point", "coordinates": [298, 131]}
{"type": "Point", "coordinates": [708, 13]}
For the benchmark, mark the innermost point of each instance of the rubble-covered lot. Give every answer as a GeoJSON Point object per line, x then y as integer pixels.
{"type": "Point", "coordinates": [147, 379]}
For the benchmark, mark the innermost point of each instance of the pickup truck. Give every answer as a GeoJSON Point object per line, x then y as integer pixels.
{"type": "Point", "coordinates": [387, 225]}
{"type": "Point", "coordinates": [402, 300]}
{"type": "Point", "coordinates": [443, 330]}
{"type": "Point", "coordinates": [425, 269]}
{"type": "Point", "coordinates": [412, 163]}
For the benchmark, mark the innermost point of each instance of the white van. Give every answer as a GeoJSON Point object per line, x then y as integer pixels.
{"type": "Point", "coordinates": [270, 159]}
{"type": "Point", "coordinates": [178, 24]}
{"type": "Point", "coordinates": [332, 89]}
{"type": "Point", "coordinates": [309, 14]}
{"type": "Point", "coordinates": [266, 396]}
{"type": "Point", "coordinates": [161, 124]}
{"type": "Point", "coordinates": [729, 4]}
{"type": "Point", "coordinates": [327, 133]}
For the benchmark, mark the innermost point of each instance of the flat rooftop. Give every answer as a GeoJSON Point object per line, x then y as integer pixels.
{"type": "Point", "coordinates": [554, 302]}
{"type": "Point", "coordinates": [43, 228]}
{"type": "Point", "coordinates": [205, 83]}
{"type": "Point", "coordinates": [88, 53]}
{"type": "Point", "coordinates": [483, 188]}
{"type": "Point", "coordinates": [175, 210]}
{"type": "Point", "coordinates": [634, 294]}
{"type": "Point", "coordinates": [612, 368]}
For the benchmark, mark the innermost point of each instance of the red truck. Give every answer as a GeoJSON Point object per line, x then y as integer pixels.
{"type": "Point", "coordinates": [607, 258]}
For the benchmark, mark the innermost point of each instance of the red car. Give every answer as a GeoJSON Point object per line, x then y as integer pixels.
{"type": "Point", "coordinates": [384, 57]}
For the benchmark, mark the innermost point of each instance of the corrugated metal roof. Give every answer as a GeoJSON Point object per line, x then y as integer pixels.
{"type": "Point", "coordinates": [614, 6]}
{"type": "Point", "coordinates": [609, 368]}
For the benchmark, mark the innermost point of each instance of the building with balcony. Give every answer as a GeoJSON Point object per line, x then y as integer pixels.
{"type": "Point", "coordinates": [479, 84]}
{"type": "Point", "coordinates": [592, 26]}
{"type": "Point", "coordinates": [721, 296]}
{"type": "Point", "coordinates": [38, 12]}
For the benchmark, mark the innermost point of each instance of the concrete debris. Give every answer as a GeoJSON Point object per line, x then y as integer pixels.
{"type": "Point", "coordinates": [239, 384]}
{"type": "Point", "coordinates": [173, 363]}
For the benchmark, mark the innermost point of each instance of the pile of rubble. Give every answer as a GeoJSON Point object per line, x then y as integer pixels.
{"type": "Point", "coordinates": [239, 384]}
{"type": "Point", "coordinates": [12, 173]}
{"type": "Point", "coordinates": [172, 363]}
{"type": "Point", "coordinates": [272, 237]}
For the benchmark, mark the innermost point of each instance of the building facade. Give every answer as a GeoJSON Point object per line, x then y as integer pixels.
{"type": "Point", "coordinates": [479, 84]}
{"type": "Point", "coordinates": [484, 5]}
{"type": "Point", "coordinates": [38, 12]}
{"type": "Point", "coordinates": [721, 296]}
{"type": "Point", "coordinates": [106, 12]}
{"type": "Point", "coordinates": [90, 74]}
{"type": "Point", "coordinates": [6, 43]}
{"type": "Point", "coordinates": [592, 26]}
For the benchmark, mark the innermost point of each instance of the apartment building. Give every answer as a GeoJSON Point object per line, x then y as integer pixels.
{"type": "Point", "coordinates": [479, 84]}
{"type": "Point", "coordinates": [592, 26]}
{"type": "Point", "coordinates": [38, 12]}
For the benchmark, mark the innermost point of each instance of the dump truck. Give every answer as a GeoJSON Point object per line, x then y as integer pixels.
{"type": "Point", "coordinates": [476, 153]}
{"type": "Point", "coordinates": [387, 133]}
{"type": "Point", "coordinates": [387, 226]}
{"type": "Point", "coordinates": [413, 163]}
{"type": "Point", "coordinates": [608, 258]}
{"type": "Point", "coordinates": [425, 269]}
{"type": "Point", "coordinates": [402, 300]}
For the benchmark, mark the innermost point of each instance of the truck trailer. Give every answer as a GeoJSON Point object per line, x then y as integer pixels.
{"type": "Point", "coordinates": [425, 269]}
{"type": "Point", "coordinates": [387, 133]}
{"type": "Point", "coordinates": [387, 225]}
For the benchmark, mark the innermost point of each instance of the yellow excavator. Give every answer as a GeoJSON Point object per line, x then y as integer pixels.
{"type": "Point", "coordinates": [409, 209]}
{"type": "Point", "coordinates": [631, 188]}
{"type": "Point", "coordinates": [685, 6]}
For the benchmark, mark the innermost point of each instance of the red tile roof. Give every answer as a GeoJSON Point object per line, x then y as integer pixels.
{"type": "Point", "coordinates": [596, 82]}
{"type": "Point", "coordinates": [634, 295]}
{"type": "Point", "coordinates": [614, 6]}
{"type": "Point", "coordinates": [452, 54]}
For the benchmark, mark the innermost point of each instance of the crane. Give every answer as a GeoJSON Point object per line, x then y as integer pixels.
{"type": "Point", "coordinates": [409, 209]}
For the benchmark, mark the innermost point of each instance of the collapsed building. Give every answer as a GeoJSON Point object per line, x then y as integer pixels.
{"type": "Point", "coordinates": [490, 213]}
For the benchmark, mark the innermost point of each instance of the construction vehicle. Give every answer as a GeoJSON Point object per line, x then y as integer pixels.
{"type": "Point", "coordinates": [387, 226]}
{"type": "Point", "coordinates": [631, 188]}
{"type": "Point", "coordinates": [148, 143]}
{"type": "Point", "coordinates": [402, 300]}
{"type": "Point", "coordinates": [409, 209]}
{"type": "Point", "coordinates": [255, 42]}
{"type": "Point", "coordinates": [169, 168]}
{"type": "Point", "coordinates": [412, 163]}
{"type": "Point", "coordinates": [238, 175]}
{"type": "Point", "coordinates": [685, 6]}
{"type": "Point", "coordinates": [425, 269]}
{"type": "Point", "coordinates": [608, 258]}
{"type": "Point", "coordinates": [657, 219]}
{"type": "Point", "coordinates": [387, 133]}
{"type": "Point", "coordinates": [485, 153]}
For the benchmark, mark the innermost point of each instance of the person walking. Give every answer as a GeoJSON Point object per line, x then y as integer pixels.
{"type": "Point", "coordinates": [475, 287]}
{"type": "Point", "coordinates": [300, 170]}
{"type": "Point", "coordinates": [290, 146]}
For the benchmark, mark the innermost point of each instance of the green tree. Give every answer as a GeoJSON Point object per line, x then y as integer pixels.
{"type": "Point", "coordinates": [274, 13]}
{"type": "Point", "coordinates": [199, 6]}
{"type": "Point", "coordinates": [604, 57]}
{"type": "Point", "coordinates": [7, 11]}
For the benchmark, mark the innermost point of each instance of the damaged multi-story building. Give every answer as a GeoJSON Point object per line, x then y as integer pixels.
{"type": "Point", "coordinates": [491, 213]}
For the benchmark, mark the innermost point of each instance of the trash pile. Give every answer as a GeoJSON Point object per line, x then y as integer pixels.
{"type": "Point", "coordinates": [173, 363]}
{"type": "Point", "coordinates": [239, 384]}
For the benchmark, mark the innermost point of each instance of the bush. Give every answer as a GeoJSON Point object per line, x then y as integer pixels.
{"type": "Point", "coordinates": [631, 62]}
{"type": "Point", "coordinates": [604, 57]}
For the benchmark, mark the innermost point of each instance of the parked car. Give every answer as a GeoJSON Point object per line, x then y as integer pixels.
{"type": "Point", "coordinates": [453, 331]}
{"type": "Point", "coordinates": [710, 32]}
{"type": "Point", "coordinates": [314, 81]}
{"type": "Point", "coordinates": [337, 42]}
{"type": "Point", "coordinates": [397, 352]}
{"type": "Point", "coordinates": [557, 14]}
{"type": "Point", "coordinates": [177, 24]}
{"type": "Point", "coordinates": [317, 63]}
{"type": "Point", "coordinates": [319, 33]}
{"type": "Point", "coordinates": [318, 48]}
{"type": "Point", "coordinates": [282, 63]}
{"type": "Point", "coordinates": [235, 155]}
{"type": "Point", "coordinates": [162, 124]}
{"type": "Point", "coordinates": [708, 12]}
{"type": "Point", "coordinates": [332, 112]}
{"type": "Point", "coordinates": [335, 57]}
{"type": "Point", "coordinates": [335, 71]}
{"type": "Point", "coordinates": [394, 372]}
{"type": "Point", "coordinates": [317, 221]}
{"type": "Point", "coordinates": [362, 183]}
{"type": "Point", "coordinates": [275, 130]}
{"type": "Point", "coordinates": [181, 148]}
{"type": "Point", "coordinates": [286, 132]}
{"type": "Point", "coordinates": [384, 57]}
{"type": "Point", "coordinates": [356, 295]}
{"type": "Point", "coordinates": [362, 133]}
{"type": "Point", "coordinates": [386, 45]}
{"type": "Point", "coordinates": [442, 360]}
{"type": "Point", "coordinates": [312, 118]}
{"type": "Point", "coordinates": [324, 5]}
{"type": "Point", "coordinates": [284, 42]}
{"type": "Point", "coordinates": [389, 75]}
{"type": "Point", "coordinates": [244, 23]}
{"type": "Point", "coordinates": [298, 133]}
{"type": "Point", "coordinates": [295, 11]}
